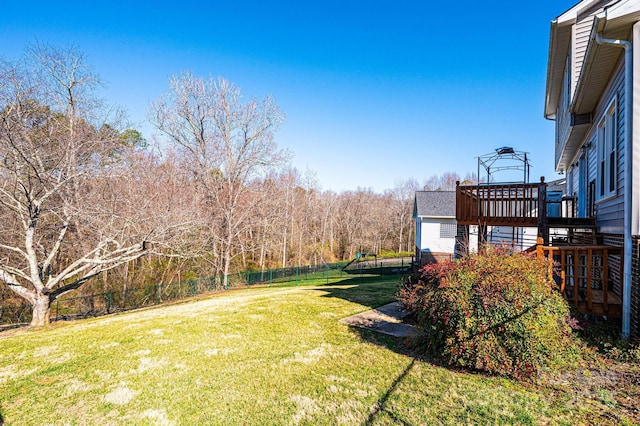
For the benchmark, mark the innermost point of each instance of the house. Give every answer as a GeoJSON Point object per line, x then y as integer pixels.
{"type": "Point", "coordinates": [592, 94]}
{"type": "Point", "coordinates": [436, 228]}
{"type": "Point", "coordinates": [589, 229]}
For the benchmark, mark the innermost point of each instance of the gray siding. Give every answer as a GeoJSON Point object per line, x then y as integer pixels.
{"type": "Point", "coordinates": [581, 33]}
{"type": "Point", "coordinates": [575, 180]}
{"type": "Point", "coordinates": [563, 121]}
{"type": "Point", "coordinates": [610, 212]}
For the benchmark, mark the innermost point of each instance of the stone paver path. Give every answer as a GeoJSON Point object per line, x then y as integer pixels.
{"type": "Point", "coordinates": [386, 319]}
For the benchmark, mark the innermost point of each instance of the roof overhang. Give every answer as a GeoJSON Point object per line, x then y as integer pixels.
{"type": "Point", "coordinates": [599, 64]}
{"type": "Point", "coordinates": [559, 45]}
{"type": "Point", "coordinates": [436, 217]}
{"type": "Point", "coordinates": [614, 22]}
{"type": "Point", "coordinates": [572, 144]}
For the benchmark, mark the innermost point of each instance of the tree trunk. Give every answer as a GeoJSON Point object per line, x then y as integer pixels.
{"type": "Point", "coordinates": [284, 248]}
{"type": "Point", "coordinates": [41, 310]}
{"type": "Point", "coordinates": [227, 260]}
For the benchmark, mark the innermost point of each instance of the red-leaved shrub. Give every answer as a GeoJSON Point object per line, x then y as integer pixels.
{"type": "Point", "coordinates": [498, 312]}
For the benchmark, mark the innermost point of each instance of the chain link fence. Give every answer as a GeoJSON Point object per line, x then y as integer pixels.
{"type": "Point", "coordinates": [138, 297]}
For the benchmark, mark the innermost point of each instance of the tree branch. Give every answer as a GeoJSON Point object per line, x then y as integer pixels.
{"type": "Point", "coordinates": [13, 284]}
{"type": "Point", "coordinates": [70, 287]}
{"type": "Point", "coordinates": [56, 246]}
{"type": "Point", "coordinates": [14, 249]}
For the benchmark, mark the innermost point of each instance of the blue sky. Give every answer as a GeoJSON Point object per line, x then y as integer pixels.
{"type": "Point", "coordinates": [374, 91]}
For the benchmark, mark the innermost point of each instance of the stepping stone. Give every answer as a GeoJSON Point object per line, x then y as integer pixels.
{"type": "Point", "coordinates": [386, 319]}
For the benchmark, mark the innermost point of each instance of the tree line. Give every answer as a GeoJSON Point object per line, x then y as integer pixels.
{"type": "Point", "coordinates": [86, 205]}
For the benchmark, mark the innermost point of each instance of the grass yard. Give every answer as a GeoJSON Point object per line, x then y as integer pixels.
{"type": "Point", "coordinates": [263, 356]}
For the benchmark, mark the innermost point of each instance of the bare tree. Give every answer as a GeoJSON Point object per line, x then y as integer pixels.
{"type": "Point", "coordinates": [471, 178]}
{"type": "Point", "coordinates": [228, 143]}
{"type": "Point", "coordinates": [53, 152]}
{"type": "Point", "coordinates": [401, 209]}
{"type": "Point", "coordinates": [445, 182]}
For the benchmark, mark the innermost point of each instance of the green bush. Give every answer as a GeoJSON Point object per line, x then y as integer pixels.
{"type": "Point", "coordinates": [497, 312]}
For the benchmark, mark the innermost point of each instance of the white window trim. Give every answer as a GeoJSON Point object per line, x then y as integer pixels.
{"type": "Point", "coordinates": [607, 149]}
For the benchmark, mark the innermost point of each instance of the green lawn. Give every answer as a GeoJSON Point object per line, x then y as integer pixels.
{"type": "Point", "coordinates": [258, 356]}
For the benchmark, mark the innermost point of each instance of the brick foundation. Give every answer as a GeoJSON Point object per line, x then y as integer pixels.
{"type": "Point", "coordinates": [434, 257]}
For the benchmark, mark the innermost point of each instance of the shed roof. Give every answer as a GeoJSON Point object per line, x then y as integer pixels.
{"type": "Point", "coordinates": [435, 204]}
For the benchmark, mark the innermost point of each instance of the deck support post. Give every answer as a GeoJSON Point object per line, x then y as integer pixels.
{"type": "Point", "coordinates": [542, 211]}
{"type": "Point", "coordinates": [482, 237]}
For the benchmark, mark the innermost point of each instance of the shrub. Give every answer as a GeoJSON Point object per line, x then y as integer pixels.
{"type": "Point", "coordinates": [497, 312]}
{"type": "Point", "coordinates": [604, 336]}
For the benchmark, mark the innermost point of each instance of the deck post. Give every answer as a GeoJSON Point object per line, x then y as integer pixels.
{"type": "Point", "coordinates": [482, 237]}
{"type": "Point", "coordinates": [542, 211]}
{"type": "Point", "coordinates": [539, 244]}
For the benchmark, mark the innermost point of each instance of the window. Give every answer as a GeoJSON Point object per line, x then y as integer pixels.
{"type": "Point", "coordinates": [607, 143]}
{"type": "Point", "coordinates": [448, 230]}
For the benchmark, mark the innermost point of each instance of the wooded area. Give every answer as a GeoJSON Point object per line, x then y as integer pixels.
{"type": "Point", "coordinates": [87, 206]}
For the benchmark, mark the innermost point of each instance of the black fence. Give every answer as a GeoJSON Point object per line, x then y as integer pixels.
{"type": "Point", "coordinates": [137, 297]}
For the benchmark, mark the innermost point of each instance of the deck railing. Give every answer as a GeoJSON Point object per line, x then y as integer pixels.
{"type": "Point", "coordinates": [586, 276]}
{"type": "Point", "coordinates": [500, 204]}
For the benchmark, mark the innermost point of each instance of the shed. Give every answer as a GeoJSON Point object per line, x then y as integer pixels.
{"type": "Point", "coordinates": [436, 229]}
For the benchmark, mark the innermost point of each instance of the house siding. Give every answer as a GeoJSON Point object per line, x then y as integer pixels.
{"type": "Point", "coordinates": [580, 38]}
{"type": "Point", "coordinates": [573, 178]}
{"type": "Point", "coordinates": [517, 238]}
{"type": "Point", "coordinates": [610, 212]}
{"type": "Point", "coordinates": [581, 34]}
{"type": "Point", "coordinates": [563, 119]}
{"type": "Point", "coordinates": [605, 73]}
{"type": "Point", "coordinates": [432, 247]}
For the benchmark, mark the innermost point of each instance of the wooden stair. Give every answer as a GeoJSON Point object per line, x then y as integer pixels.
{"type": "Point", "coordinates": [574, 231]}
{"type": "Point", "coordinates": [602, 304]}
{"type": "Point", "coordinates": [585, 276]}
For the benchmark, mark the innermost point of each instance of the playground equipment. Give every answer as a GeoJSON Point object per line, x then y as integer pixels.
{"type": "Point", "coordinates": [369, 264]}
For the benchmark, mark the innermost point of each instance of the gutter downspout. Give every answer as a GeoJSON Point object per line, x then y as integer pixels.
{"type": "Point", "coordinates": [628, 176]}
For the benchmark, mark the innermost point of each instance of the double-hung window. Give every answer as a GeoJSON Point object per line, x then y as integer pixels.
{"type": "Point", "coordinates": [607, 144]}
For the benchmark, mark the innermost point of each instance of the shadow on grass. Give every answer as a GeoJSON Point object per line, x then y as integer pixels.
{"type": "Point", "coordinates": [369, 291]}
{"type": "Point", "coordinates": [373, 292]}
{"type": "Point", "coordinates": [381, 405]}
{"type": "Point", "coordinates": [398, 345]}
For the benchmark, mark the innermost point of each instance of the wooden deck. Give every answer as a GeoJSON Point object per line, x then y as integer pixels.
{"type": "Point", "coordinates": [587, 276]}
{"type": "Point", "coordinates": [587, 273]}
{"type": "Point", "coordinates": [499, 204]}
